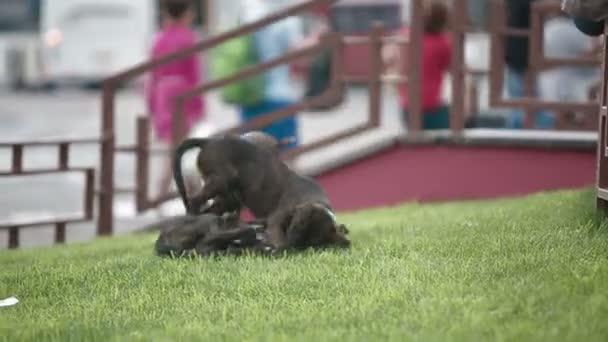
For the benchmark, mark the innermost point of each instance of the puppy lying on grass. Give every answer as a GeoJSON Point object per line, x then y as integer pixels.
{"type": "Point", "coordinates": [205, 235]}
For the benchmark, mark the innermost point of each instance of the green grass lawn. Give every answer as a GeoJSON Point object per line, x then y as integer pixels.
{"type": "Point", "coordinates": [529, 269]}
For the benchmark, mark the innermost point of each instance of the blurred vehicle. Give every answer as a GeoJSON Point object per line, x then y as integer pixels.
{"type": "Point", "coordinates": [84, 41]}
{"type": "Point", "coordinates": [20, 63]}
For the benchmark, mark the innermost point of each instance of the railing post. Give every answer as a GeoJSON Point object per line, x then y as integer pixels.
{"type": "Point", "coordinates": [535, 55]}
{"type": "Point", "coordinates": [106, 195]}
{"type": "Point", "coordinates": [64, 156]}
{"type": "Point", "coordinates": [89, 194]}
{"type": "Point", "coordinates": [17, 164]}
{"type": "Point", "coordinates": [497, 25]}
{"type": "Point", "coordinates": [415, 65]}
{"type": "Point", "coordinates": [13, 238]}
{"type": "Point", "coordinates": [142, 163]}
{"type": "Point", "coordinates": [375, 74]}
{"type": "Point", "coordinates": [60, 232]}
{"type": "Point", "coordinates": [602, 160]}
{"type": "Point", "coordinates": [337, 64]}
{"type": "Point", "coordinates": [529, 87]}
{"type": "Point", "coordinates": [458, 67]}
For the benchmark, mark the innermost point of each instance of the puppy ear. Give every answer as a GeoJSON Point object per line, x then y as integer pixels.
{"type": "Point", "coordinates": [343, 230]}
{"type": "Point", "coordinates": [341, 240]}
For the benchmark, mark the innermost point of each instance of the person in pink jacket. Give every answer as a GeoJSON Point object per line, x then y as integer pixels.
{"type": "Point", "coordinates": [170, 80]}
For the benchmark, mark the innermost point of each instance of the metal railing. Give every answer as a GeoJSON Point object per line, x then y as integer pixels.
{"type": "Point", "coordinates": [63, 159]}
{"type": "Point", "coordinates": [538, 62]}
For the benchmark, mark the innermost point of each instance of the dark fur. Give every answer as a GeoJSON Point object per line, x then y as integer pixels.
{"type": "Point", "coordinates": [204, 234]}
{"type": "Point", "coordinates": [230, 202]}
{"type": "Point", "coordinates": [296, 209]}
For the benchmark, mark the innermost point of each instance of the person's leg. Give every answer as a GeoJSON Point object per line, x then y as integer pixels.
{"type": "Point", "coordinates": [436, 119]}
{"type": "Point", "coordinates": [284, 129]}
{"type": "Point", "coordinates": [548, 88]}
{"type": "Point", "coordinates": [166, 178]}
{"type": "Point", "coordinates": [288, 127]}
{"type": "Point", "coordinates": [514, 81]}
{"type": "Point", "coordinates": [281, 129]}
{"type": "Point", "coordinates": [163, 132]}
{"type": "Point", "coordinates": [544, 119]}
{"type": "Point", "coordinates": [405, 118]}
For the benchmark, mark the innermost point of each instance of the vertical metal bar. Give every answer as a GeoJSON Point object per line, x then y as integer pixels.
{"type": "Point", "coordinates": [17, 158]}
{"type": "Point", "coordinates": [336, 91]}
{"type": "Point", "coordinates": [529, 91]}
{"type": "Point", "coordinates": [458, 67]}
{"type": "Point", "coordinates": [337, 65]}
{"type": "Point", "coordinates": [497, 25]}
{"type": "Point", "coordinates": [106, 195]}
{"type": "Point", "coordinates": [212, 20]}
{"type": "Point", "coordinates": [375, 73]}
{"type": "Point", "coordinates": [13, 238]}
{"type": "Point", "coordinates": [601, 153]}
{"type": "Point", "coordinates": [414, 84]}
{"type": "Point", "coordinates": [604, 95]}
{"type": "Point", "coordinates": [89, 194]}
{"type": "Point", "coordinates": [64, 156]}
{"type": "Point", "coordinates": [60, 232]}
{"type": "Point", "coordinates": [142, 163]}
{"type": "Point", "coordinates": [473, 99]}
{"type": "Point", "coordinates": [601, 172]}
{"type": "Point", "coordinates": [560, 120]}
{"type": "Point", "coordinates": [403, 71]}
{"type": "Point", "coordinates": [535, 56]}
{"type": "Point", "coordinates": [535, 42]}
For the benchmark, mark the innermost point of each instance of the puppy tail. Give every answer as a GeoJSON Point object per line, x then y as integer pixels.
{"type": "Point", "coordinates": [182, 148]}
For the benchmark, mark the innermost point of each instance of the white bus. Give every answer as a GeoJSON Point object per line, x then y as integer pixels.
{"type": "Point", "coordinates": [85, 41]}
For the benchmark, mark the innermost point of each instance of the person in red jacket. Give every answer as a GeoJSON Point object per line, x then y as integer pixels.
{"type": "Point", "coordinates": [436, 59]}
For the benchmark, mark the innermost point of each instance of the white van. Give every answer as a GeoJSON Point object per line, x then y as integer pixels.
{"type": "Point", "coordinates": [84, 41]}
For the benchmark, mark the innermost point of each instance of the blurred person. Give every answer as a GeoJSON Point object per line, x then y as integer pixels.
{"type": "Point", "coordinates": [319, 66]}
{"type": "Point", "coordinates": [170, 80]}
{"type": "Point", "coordinates": [516, 59]}
{"type": "Point", "coordinates": [271, 42]}
{"type": "Point", "coordinates": [436, 59]}
{"type": "Point", "coordinates": [568, 83]}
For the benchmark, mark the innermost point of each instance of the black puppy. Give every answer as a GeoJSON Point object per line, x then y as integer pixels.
{"type": "Point", "coordinates": [230, 202]}
{"type": "Point", "coordinates": [204, 234]}
{"type": "Point", "coordinates": [296, 208]}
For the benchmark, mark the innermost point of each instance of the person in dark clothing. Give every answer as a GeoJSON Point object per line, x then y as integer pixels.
{"type": "Point", "coordinates": [516, 58]}
{"type": "Point", "coordinates": [590, 27]}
